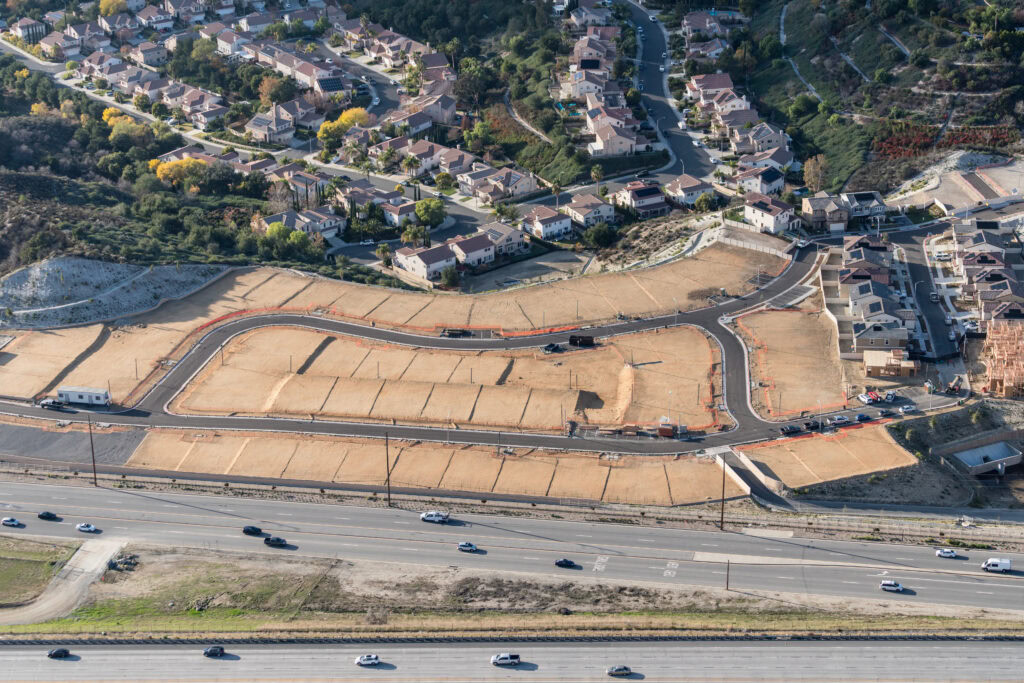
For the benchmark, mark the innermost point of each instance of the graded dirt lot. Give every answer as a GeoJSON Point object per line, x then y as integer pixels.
{"type": "Point", "coordinates": [794, 360]}
{"type": "Point", "coordinates": [130, 358]}
{"type": "Point", "coordinates": [32, 360]}
{"type": "Point", "coordinates": [635, 379]}
{"type": "Point", "coordinates": [814, 459]}
{"type": "Point", "coordinates": [683, 480]}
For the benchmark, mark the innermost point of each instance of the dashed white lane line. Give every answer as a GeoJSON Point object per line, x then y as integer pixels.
{"type": "Point", "coordinates": [584, 536]}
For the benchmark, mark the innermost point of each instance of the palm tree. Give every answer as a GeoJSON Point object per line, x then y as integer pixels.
{"type": "Point", "coordinates": [556, 190]}
{"type": "Point", "coordinates": [383, 252]}
{"type": "Point", "coordinates": [414, 234]}
{"type": "Point", "coordinates": [386, 157]}
{"type": "Point", "coordinates": [366, 166]}
{"type": "Point", "coordinates": [596, 174]}
{"type": "Point", "coordinates": [410, 164]}
{"type": "Point", "coordinates": [353, 151]}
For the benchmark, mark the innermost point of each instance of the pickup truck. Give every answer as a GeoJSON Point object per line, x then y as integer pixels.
{"type": "Point", "coordinates": [435, 517]}
{"type": "Point", "coordinates": [505, 659]}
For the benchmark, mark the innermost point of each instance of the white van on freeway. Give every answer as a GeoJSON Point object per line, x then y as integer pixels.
{"type": "Point", "coordinates": [995, 564]}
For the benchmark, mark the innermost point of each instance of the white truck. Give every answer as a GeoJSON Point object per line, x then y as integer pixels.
{"type": "Point", "coordinates": [505, 659]}
{"type": "Point", "coordinates": [435, 517]}
{"type": "Point", "coordinates": [996, 564]}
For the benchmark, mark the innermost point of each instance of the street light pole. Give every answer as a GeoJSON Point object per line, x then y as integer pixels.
{"type": "Point", "coordinates": [387, 463]}
{"type": "Point", "coordinates": [721, 519]}
{"type": "Point", "coordinates": [92, 451]}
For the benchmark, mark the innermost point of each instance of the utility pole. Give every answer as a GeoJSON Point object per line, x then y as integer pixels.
{"type": "Point", "coordinates": [387, 464]}
{"type": "Point", "coordinates": [727, 563]}
{"type": "Point", "coordinates": [721, 519]}
{"type": "Point", "coordinates": [92, 451]}
{"type": "Point", "coordinates": [497, 448]}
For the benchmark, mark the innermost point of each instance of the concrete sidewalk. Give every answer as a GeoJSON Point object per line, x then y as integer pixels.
{"type": "Point", "coordinates": [69, 588]}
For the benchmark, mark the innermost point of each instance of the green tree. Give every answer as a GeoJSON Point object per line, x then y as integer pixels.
{"type": "Point", "coordinates": [450, 277]}
{"type": "Point", "coordinates": [704, 203]}
{"type": "Point", "coordinates": [444, 181]}
{"type": "Point", "coordinates": [599, 235]}
{"type": "Point", "coordinates": [160, 110]}
{"type": "Point", "coordinates": [383, 252]}
{"type": "Point", "coordinates": [142, 102]}
{"type": "Point", "coordinates": [410, 164]}
{"type": "Point", "coordinates": [278, 231]}
{"type": "Point", "coordinates": [431, 212]}
{"type": "Point", "coordinates": [556, 190]}
{"type": "Point", "coordinates": [597, 175]}
{"type": "Point", "coordinates": [415, 234]}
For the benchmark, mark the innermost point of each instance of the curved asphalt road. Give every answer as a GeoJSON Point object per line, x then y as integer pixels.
{"type": "Point", "coordinates": [153, 410]}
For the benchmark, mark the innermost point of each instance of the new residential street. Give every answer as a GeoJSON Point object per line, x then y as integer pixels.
{"type": "Point", "coordinates": [668, 662]}
{"type": "Point", "coordinates": [601, 551]}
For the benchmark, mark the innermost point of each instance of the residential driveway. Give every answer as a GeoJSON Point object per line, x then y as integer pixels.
{"type": "Point", "coordinates": [69, 588]}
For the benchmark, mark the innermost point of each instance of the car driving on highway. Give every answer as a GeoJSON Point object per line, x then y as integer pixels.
{"type": "Point", "coordinates": [275, 541]}
{"type": "Point", "coordinates": [619, 670]}
{"type": "Point", "coordinates": [434, 517]}
{"type": "Point", "coordinates": [891, 586]}
{"type": "Point", "coordinates": [214, 651]}
{"type": "Point", "coordinates": [252, 530]}
{"type": "Point", "coordinates": [10, 521]}
{"type": "Point", "coordinates": [505, 659]}
{"type": "Point", "coordinates": [565, 563]}
{"type": "Point", "coordinates": [467, 547]}
{"type": "Point", "coordinates": [946, 552]}
{"type": "Point", "coordinates": [48, 516]}
{"type": "Point", "coordinates": [58, 653]}
{"type": "Point", "coordinates": [86, 528]}
{"type": "Point", "coordinates": [367, 660]}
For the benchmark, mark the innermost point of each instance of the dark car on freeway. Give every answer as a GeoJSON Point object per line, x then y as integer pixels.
{"type": "Point", "coordinates": [214, 651]}
{"type": "Point", "coordinates": [275, 541]}
{"type": "Point", "coordinates": [58, 653]}
{"type": "Point", "coordinates": [48, 516]}
{"type": "Point", "coordinates": [565, 563]}
{"type": "Point", "coordinates": [250, 530]}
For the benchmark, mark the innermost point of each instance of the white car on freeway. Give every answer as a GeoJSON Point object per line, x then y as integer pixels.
{"type": "Point", "coordinates": [10, 521]}
{"type": "Point", "coordinates": [891, 586]}
{"type": "Point", "coordinates": [367, 660]}
{"type": "Point", "coordinates": [946, 552]}
{"type": "Point", "coordinates": [86, 528]}
{"type": "Point", "coordinates": [435, 517]}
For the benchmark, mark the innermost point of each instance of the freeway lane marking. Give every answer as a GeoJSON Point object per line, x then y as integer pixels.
{"type": "Point", "coordinates": [984, 592]}
{"type": "Point", "coordinates": [788, 578]}
{"type": "Point", "coordinates": [584, 536]}
{"type": "Point", "coordinates": [854, 583]}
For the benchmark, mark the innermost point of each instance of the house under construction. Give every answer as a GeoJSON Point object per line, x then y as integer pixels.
{"type": "Point", "coordinates": [1003, 356]}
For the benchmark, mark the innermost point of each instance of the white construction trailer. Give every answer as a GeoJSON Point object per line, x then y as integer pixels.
{"type": "Point", "coordinates": [92, 397]}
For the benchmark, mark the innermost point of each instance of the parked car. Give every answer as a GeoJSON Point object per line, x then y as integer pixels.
{"type": "Point", "coordinates": [839, 420]}
{"type": "Point", "coordinates": [48, 516]}
{"type": "Point", "coordinates": [58, 653]}
{"type": "Point", "coordinates": [86, 528]}
{"type": "Point", "coordinates": [619, 670]}
{"type": "Point", "coordinates": [863, 417]}
{"type": "Point", "coordinates": [951, 336]}
{"type": "Point", "coordinates": [551, 348]}
{"type": "Point", "coordinates": [214, 651]}
{"type": "Point", "coordinates": [376, 101]}
{"type": "Point", "coordinates": [789, 429]}
{"type": "Point", "coordinates": [933, 297]}
{"type": "Point", "coordinates": [367, 660]}
{"type": "Point", "coordinates": [891, 586]}
{"type": "Point", "coordinates": [812, 425]}
{"type": "Point", "coordinates": [366, 243]}
{"type": "Point", "coordinates": [505, 659]}
{"type": "Point", "coordinates": [252, 531]}
{"type": "Point", "coordinates": [802, 243]}
{"type": "Point", "coordinates": [454, 333]}
{"type": "Point", "coordinates": [53, 404]}
{"type": "Point", "coordinates": [946, 552]}
{"type": "Point", "coordinates": [275, 541]}
{"type": "Point", "coordinates": [434, 517]}
{"type": "Point", "coordinates": [865, 399]}
{"type": "Point", "coordinates": [908, 408]}
{"type": "Point", "coordinates": [661, 68]}
{"type": "Point", "coordinates": [886, 413]}
{"type": "Point", "coordinates": [565, 563]}
{"type": "Point", "coordinates": [467, 547]}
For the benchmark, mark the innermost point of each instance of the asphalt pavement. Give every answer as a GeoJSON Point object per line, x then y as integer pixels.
{"type": "Point", "coordinates": [650, 554]}
{"type": "Point", "coordinates": [470, 663]}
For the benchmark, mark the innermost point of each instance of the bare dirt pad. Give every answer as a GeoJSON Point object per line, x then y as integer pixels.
{"type": "Point", "coordinates": [184, 591]}
{"type": "Point", "coordinates": [639, 378]}
{"type": "Point", "coordinates": [794, 359]}
{"type": "Point", "coordinates": [814, 459]}
{"type": "Point", "coordinates": [27, 566]}
{"type": "Point", "coordinates": [667, 480]}
{"type": "Point", "coordinates": [33, 359]}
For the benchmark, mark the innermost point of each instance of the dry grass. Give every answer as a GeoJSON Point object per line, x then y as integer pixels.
{"type": "Point", "coordinates": [182, 592]}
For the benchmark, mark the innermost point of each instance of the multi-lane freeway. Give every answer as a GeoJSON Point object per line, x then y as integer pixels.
{"type": "Point", "coordinates": [609, 552]}
{"type": "Point", "coordinates": [729, 661]}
